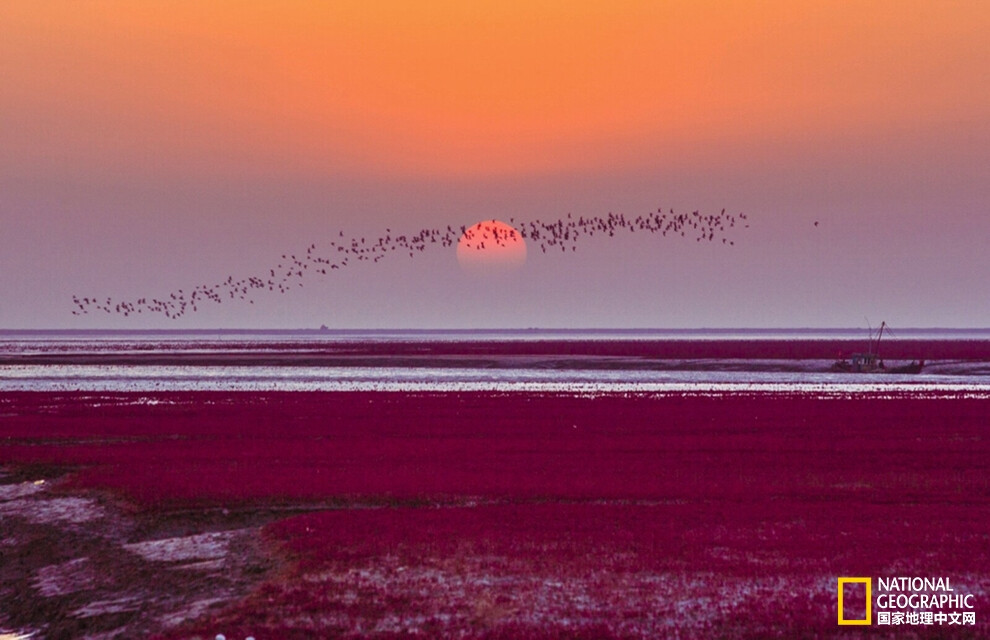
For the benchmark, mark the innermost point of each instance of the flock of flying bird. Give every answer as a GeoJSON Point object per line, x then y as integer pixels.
{"type": "Point", "coordinates": [562, 235]}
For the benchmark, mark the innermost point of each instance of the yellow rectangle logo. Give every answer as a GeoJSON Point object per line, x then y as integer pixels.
{"type": "Point", "coordinates": [869, 600]}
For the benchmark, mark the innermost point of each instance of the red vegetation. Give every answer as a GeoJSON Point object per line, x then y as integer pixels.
{"type": "Point", "coordinates": [524, 515]}
{"type": "Point", "coordinates": [227, 448]}
{"type": "Point", "coordinates": [747, 349]}
{"type": "Point", "coordinates": [754, 568]}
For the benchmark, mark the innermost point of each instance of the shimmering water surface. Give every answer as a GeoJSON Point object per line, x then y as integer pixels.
{"type": "Point", "coordinates": [58, 362]}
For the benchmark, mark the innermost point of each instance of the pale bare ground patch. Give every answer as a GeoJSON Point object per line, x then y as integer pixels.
{"type": "Point", "coordinates": [80, 565]}
{"type": "Point", "coordinates": [203, 546]}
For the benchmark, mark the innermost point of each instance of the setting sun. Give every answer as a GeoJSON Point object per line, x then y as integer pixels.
{"type": "Point", "coordinates": [491, 246]}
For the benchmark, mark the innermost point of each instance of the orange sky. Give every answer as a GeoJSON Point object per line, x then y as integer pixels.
{"type": "Point", "coordinates": [474, 88]}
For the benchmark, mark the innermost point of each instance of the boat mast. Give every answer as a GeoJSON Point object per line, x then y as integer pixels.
{"type": "Point", "coordinates": [879, 335]}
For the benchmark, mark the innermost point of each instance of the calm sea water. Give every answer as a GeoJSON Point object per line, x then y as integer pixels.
{"type": "Point", "coordinates": [63, 372]}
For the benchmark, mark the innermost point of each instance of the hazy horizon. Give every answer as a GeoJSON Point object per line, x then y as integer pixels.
{"type": "Point", "coordinates": [890, 333]}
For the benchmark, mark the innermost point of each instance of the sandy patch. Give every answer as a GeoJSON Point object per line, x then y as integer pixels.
{"type": "Point", "coordinates": [52, 510]}
{"type": "Point", "coordinates": [61, 579]}
{"type": "Point", "coordinates": [76, 567]}
{"type": "Point", "coordinates": [17, 491]}
{"type": "Point", "coordinates": [205, 546]}
{"type": "Point", "coordinates": [105, 607]}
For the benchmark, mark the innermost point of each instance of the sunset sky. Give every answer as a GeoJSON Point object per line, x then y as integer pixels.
{"type": "Point", "coordinates": [151, 146]}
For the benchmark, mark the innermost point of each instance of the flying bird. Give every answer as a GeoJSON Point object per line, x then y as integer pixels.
{"type": "Point", "coordinates": [290, 273]}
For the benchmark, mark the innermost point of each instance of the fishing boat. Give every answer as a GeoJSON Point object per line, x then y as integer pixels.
{"type": "Point", "coordinates": [871, 362]}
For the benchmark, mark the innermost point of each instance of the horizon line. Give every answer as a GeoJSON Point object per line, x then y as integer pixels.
{"type": "Point", "coordinates": [324, 330]}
